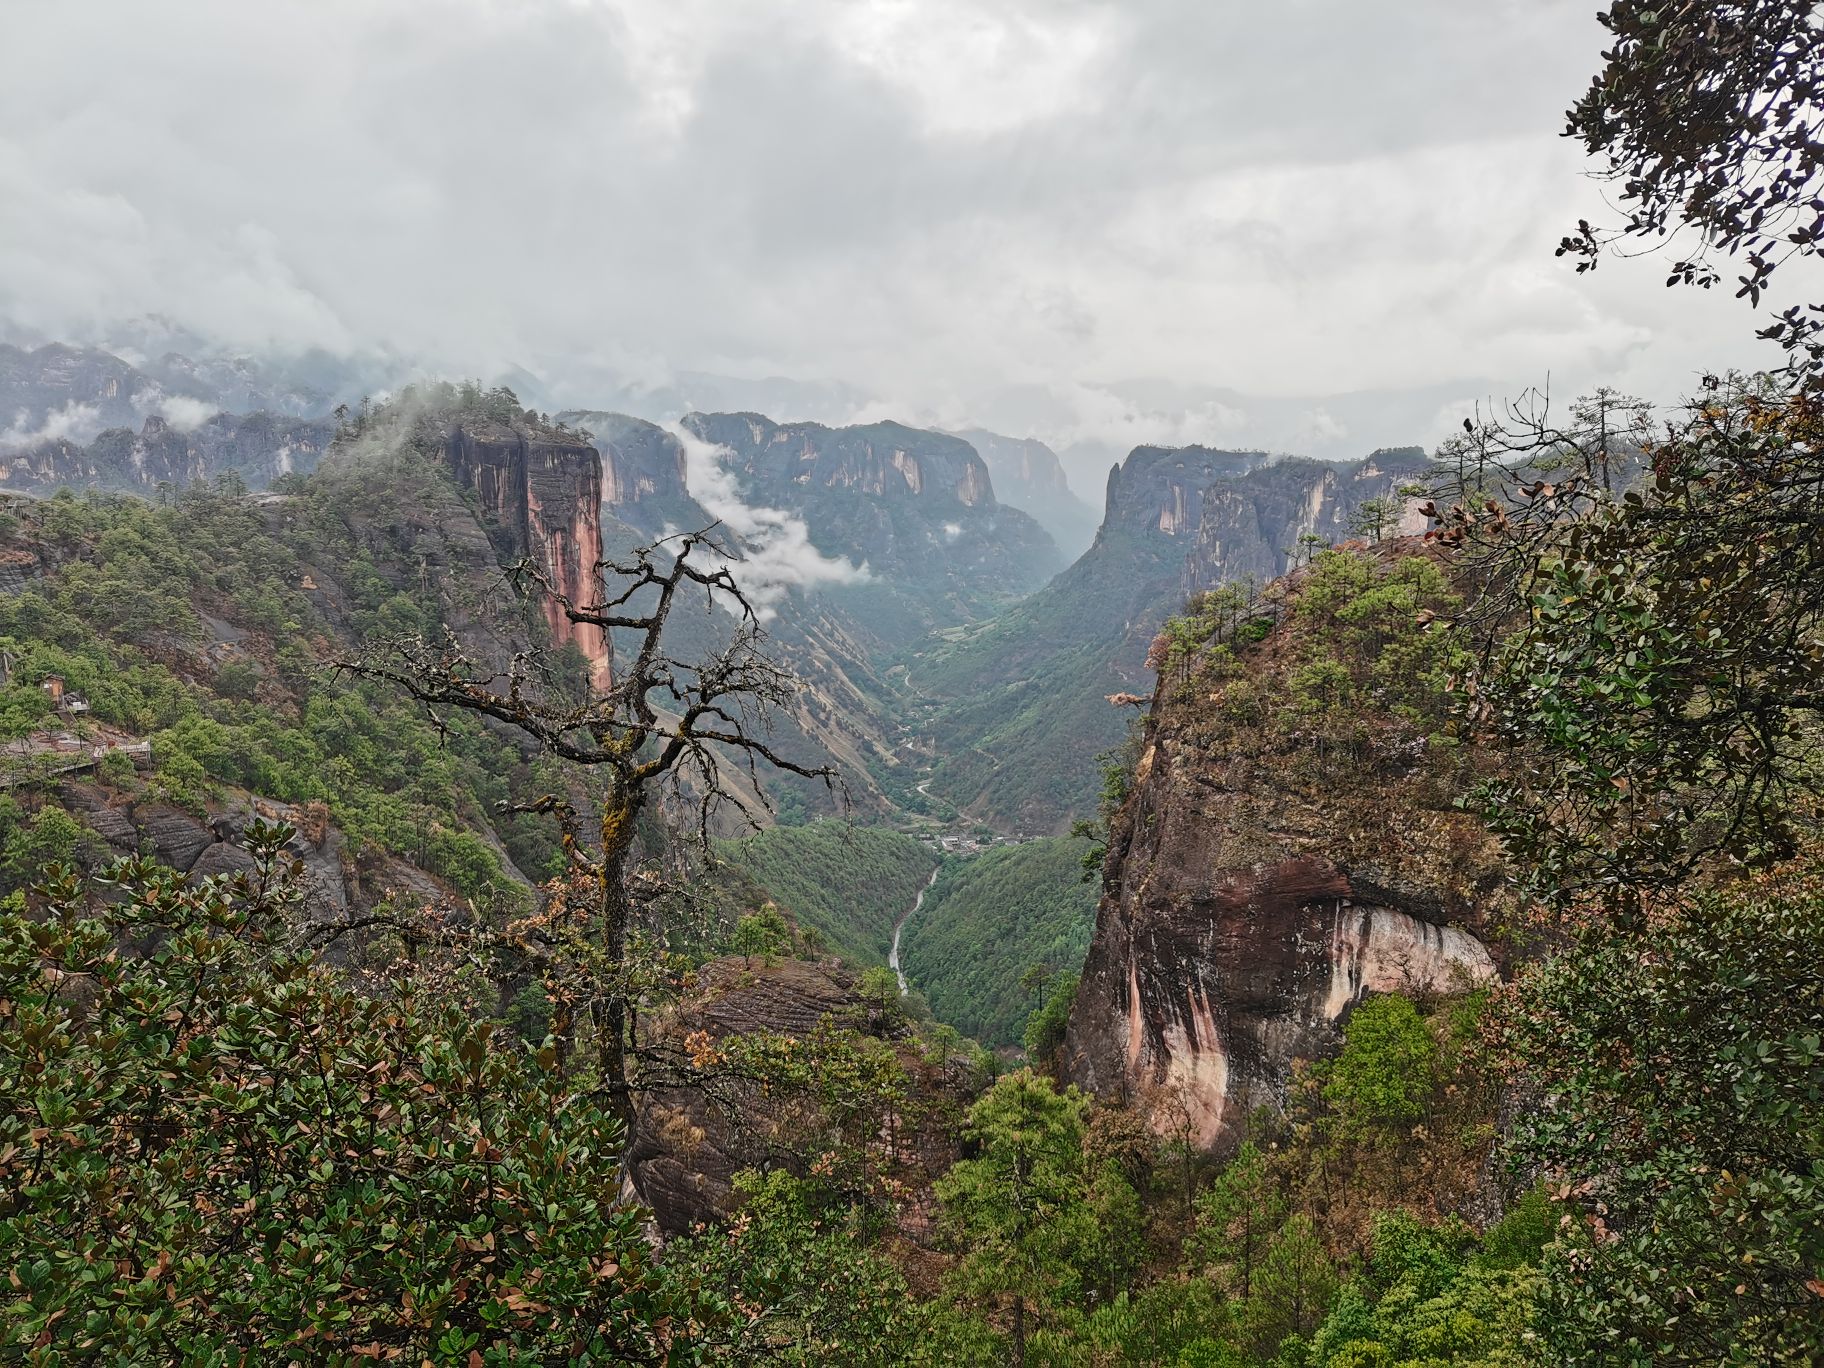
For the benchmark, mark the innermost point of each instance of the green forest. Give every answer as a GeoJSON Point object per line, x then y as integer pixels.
{"type": "Point", "coordinates": [988, 922]}
{"type": "Point", "coordinates": [847, 884]}
{"type": "Point", "coordinates": [1440, 984]}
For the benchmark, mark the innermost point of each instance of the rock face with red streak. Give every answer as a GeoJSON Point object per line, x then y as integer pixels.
{"type": "Point", "coordinates": [541, 496]}
{"type": "Point", "coordinates": [1247, 908]}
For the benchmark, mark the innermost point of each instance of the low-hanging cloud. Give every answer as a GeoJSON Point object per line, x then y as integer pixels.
{"type": "Point", "coordinates": [777, 552]}
{"type": "Point", "coordinates": [73, 422]}
{"type": "Point", "coordinates": [926, 201]}
{"type": "Point", "coordinates": [180, 412]}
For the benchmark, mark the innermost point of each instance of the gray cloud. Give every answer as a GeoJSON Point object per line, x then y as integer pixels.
{"type": "Point", "coordinates": [938, 202]}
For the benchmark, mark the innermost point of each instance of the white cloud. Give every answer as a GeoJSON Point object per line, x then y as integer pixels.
{"type": "Point", "coordinates": [75, 422]}
{"type": "Point", "coordinates": [777, 552]}
{"type": "Point", "coordinates": [180, 411]}
{"type": "Point", "coordinates": [185, 414]}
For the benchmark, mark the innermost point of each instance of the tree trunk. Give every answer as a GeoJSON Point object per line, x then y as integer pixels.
{"type": "Point", "coordinates": [1019, 1332]}
{"type": "Point", "coordinates": [611, 1007]}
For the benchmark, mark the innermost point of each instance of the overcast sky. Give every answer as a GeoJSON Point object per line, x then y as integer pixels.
{"type": "Point", "coordinates": [941, 202]}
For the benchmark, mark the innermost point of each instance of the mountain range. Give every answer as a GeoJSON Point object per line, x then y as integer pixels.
{"type": "Point", "coordinates": [957, 657]}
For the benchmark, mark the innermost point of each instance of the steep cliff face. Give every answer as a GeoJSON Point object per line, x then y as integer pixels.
{"type": "Point", "coordinates": [259, 447]}
{"type": "Point", "coordinates": [882, 459]}
{"type": "Point", "coordinates": [1028, 476]}
{"type": "Point", "coordinates": [916, 508]}
{"type": "Point", "coordinates": [644, 482]}
{"type": "Point", "coordinates": [541, 496]}
{"type": "Point", "coordinates": [1266, 874]}
{"type": "Point", "coordinates": [1178, 520]}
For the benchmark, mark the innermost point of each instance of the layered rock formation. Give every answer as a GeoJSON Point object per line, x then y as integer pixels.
{"type": "Point", "coordinates": [916, 508]}
{"type": "Point", "coordinates": [541, 498]}
{"type": "Point", "coordinates": [644, 482]}
{"type": "Point", "coordinates": [883, 459]}
{"type": "Point", "coordinates": [1259, 885]}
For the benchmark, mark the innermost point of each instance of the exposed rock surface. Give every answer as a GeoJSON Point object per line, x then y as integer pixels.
{"type": "Point", "coordinates": [202, 846]}
{"type": "Point", "coordinates": [883, 459]}
{"type": "Point", "coordinates": [644, 482]}
{"type": "Point", "coordinates": [916, 508]}
{"type": "Point", "coordinates": [541, 497]}
{"type": "Point", "coordinates": [1028, 476]}
{"type": "Point", "coordinates": [1254, 893]}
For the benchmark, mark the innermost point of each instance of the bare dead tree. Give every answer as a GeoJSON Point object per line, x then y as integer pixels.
{"type": "Point", "coordinates": [664, 729]}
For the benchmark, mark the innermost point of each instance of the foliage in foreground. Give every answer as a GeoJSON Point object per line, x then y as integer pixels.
{"type": "Point", "coordinates": [214, 1151]}
{"type": "Point", "coordinates": [810, 1288]}
{"type": "Point", "coordinates": [1685, 1071]}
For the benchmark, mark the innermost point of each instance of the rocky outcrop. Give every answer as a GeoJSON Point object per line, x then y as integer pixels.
{"type": "Point", "coordinates": [541, 498]}
{"type": "Point", "coordinates": [1254, 893]}
{"type": "Point", "coordinates": [643, 475]}
{"type": "Point", "coordinates": [1230, 514]}
{"type": "Point", "coordinates": [199, 846]}
{"type": "Point", "coordinates": [690, 1141]}
{"type": "Point", "coordinates": [1205, 983]}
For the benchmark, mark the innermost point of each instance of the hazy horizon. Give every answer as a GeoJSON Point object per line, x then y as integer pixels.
{"type": "Point", "coordinates": [1308, 228]}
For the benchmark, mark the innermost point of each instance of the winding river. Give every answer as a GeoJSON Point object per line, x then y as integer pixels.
{"type": "Point", "coordinates": [900, 925]}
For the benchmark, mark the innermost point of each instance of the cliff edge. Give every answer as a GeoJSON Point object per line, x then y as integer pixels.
{"type": "Point", "coordinates": [1288, 843]}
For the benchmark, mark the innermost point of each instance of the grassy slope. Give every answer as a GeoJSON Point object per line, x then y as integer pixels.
{"type": "Point", "coordinates": [986, 921]}
{"type": "Point", "coordinates": [849, 884]}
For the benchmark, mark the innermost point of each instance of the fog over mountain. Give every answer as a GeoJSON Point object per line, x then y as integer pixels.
{"type": "Point", "coordinates": [1096, 223]}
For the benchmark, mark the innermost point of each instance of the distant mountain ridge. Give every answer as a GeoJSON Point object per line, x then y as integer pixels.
{"type": "Point", "coordinates": [258, 447]}
{"type": "Point", "coordinates": [1028, 475]}
{"type": "Point", "coordinates": [1033, 683]}
{"type": "Point", "coordinates": [59, 390]}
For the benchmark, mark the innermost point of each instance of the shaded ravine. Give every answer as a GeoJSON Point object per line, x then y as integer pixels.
{"type": "Point", "coordinates": [900, 925]}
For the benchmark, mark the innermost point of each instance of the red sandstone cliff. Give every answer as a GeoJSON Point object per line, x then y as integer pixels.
{"type": "Point", "coordinates": [541, 496]}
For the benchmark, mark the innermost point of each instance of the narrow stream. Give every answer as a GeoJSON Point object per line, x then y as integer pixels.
{"type": "Point", "coordinates": [900, 925]}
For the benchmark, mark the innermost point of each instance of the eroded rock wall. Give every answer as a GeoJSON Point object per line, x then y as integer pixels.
{"type": "Point", "coordinates": [882, 459]}
{"type": "Point", "coordinates": [1252, 898]}
{"type": "Point", "coordinates": [541, 498]}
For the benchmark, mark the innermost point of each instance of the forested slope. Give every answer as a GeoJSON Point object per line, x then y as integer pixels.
{"type": "Point", "coordinates": [989, 919]}
{"type": "Point", "coordinates": [848, 884]}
